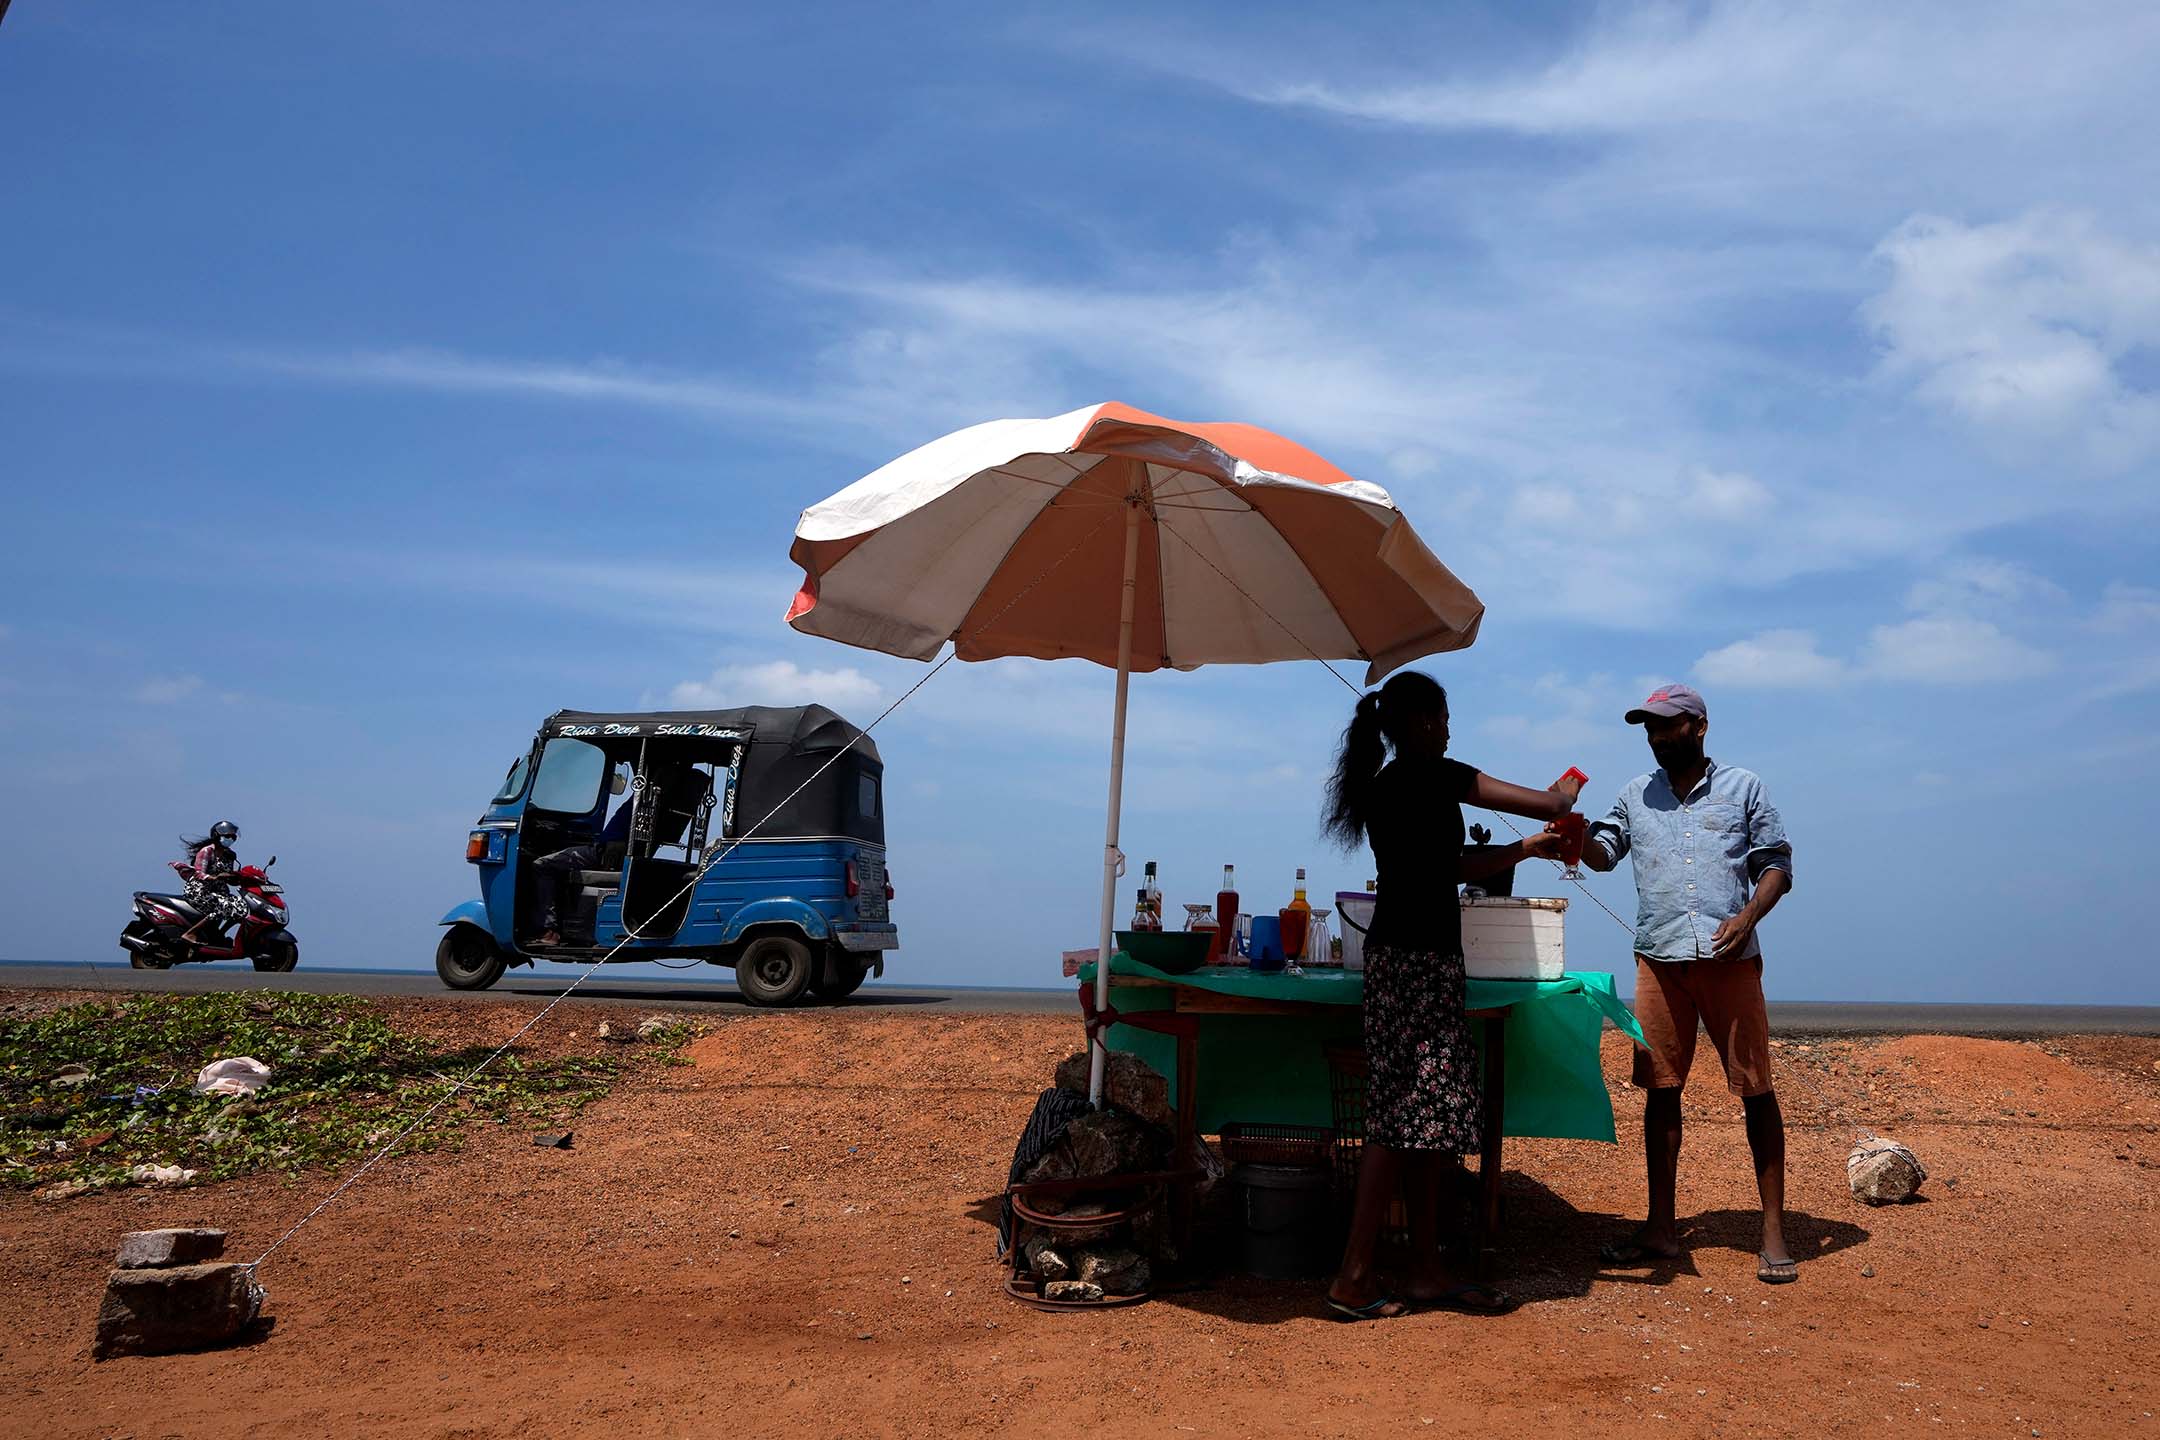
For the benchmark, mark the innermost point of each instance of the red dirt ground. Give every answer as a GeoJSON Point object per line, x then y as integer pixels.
{"type": "Point", "coordinates": [790, 1235]}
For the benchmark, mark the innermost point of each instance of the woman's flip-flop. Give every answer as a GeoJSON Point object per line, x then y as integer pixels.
{"type": "Point", "coordinates": [1457, 1299]}
{"type": "Point", "coordinates": [1384, 1307]}
{"type": "Point", "coordinates": [1776, 1272]}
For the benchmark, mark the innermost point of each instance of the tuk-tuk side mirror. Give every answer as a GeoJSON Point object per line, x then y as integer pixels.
{"type": "Point", "coordinates": [271, 861]}
{"type": "Point", "coordinates": [617, 783]}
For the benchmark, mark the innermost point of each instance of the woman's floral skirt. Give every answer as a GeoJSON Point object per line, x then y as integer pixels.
{"type": "Point", "coordinates": [1422, 1090]}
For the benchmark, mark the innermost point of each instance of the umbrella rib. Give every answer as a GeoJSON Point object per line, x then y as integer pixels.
{"type": "Point", "coordinates": [1167, 527]}
{"type": "Point", "coordinates": [1061, 488]}
{"type": "Point", "coordinates": [1029, 588]}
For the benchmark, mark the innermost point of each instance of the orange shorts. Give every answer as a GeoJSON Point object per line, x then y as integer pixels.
{"type": "Point", "coordinates": [1725, 997]}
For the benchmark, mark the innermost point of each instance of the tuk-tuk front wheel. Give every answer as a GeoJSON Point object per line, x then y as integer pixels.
{"type": "Point", "coordinates": [774, 970]}
{"type": "Point", "coordinates": [467, 958]}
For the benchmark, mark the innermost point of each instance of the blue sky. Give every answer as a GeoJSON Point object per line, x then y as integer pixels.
{"type": "Point", "coordinates": [375, 380]}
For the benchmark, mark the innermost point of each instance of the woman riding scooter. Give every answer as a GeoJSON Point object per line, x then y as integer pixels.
{"type": "Point", "coordinates": [210, 858]}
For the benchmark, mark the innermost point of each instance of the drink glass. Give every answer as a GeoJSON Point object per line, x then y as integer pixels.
{"type": "Point", "coordinates": [1573, 829]}
{"type": "Point", "coordinates": [1294, 923]}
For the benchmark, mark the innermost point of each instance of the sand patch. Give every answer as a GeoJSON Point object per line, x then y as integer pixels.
{"type": "Point", "coordinates": [2000, 1077]}
{"type": "Point", "coordinates": [878, 1049]}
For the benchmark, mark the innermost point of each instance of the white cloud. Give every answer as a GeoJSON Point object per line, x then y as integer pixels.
{"type": "Point", "coordinates": [781, 682]}
{"type": "Point", "coordinates": [431, 370]}
{"type": "Point", "coordinates": [1774, 659]}
{"type": "Point", "coordinates": [1950, 650]}
{"type": "Point", "coordinates": [168, 690]}
{"type": "Point", "coordinates": [1728, 496]}
{"type": "Point", "coordinates": [1729, 106]}
{"type": "Point", "coordinates": [1567, 715]}
{"type": "Point", "coordinates": [1962, 632]}
{"type": "Point", "coordinates": [1984, 587]}
{"type": "Point", "coordinates": [2125, 607]}
{"type": "Point", "coordinates": [1672, 71]}
{"type": "Point", "coordinates": [2020, 328]}
{"type": "Point", "coordinates": [2138, 676]}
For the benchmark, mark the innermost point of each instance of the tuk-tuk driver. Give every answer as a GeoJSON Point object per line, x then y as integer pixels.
{"type": "Point", "coordinates": [559, 871]}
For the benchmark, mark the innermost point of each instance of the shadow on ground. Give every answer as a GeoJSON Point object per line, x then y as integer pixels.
{"type": "Point", "coordinates": [1547, 1250]}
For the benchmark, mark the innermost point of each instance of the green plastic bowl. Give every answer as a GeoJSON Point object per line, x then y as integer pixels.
{"type": "Point", "coordinates": [1171, 951]}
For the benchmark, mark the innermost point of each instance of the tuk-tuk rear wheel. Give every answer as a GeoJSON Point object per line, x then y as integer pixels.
{"type": "Point", "coordinates": [774, 970]}
{"type": "Point", "coordinates": [843, 976]}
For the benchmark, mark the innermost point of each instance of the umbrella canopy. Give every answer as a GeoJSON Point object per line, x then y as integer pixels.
{"type": "Point", "coordinates": [1134, 541]}
{"type": "Point", "coordinates": [1251, 549]}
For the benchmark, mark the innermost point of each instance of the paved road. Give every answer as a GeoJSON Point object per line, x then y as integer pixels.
{"type": "Point", "coordinates": [517, 985]}
{"type": "Point", "coordinates": [1789, 1017]}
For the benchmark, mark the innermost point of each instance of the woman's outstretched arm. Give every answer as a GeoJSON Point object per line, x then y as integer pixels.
{"type": "Point", "coordinates": [1483, 864]}
{"type": "Point", "coordinates": [1548, 804]}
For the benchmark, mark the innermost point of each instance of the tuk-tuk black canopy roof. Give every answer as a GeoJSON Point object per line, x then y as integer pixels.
{"type": "Point", "coordinates": [803, 729]}
{"type": "Point", "coordinates": [785, 750]}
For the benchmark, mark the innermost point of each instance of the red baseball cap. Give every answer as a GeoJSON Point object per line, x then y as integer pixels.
{"type": "Point", "coordinates": [1669, 700]}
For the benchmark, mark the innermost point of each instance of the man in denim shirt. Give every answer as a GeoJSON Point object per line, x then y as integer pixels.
{"type": "Point", "coordinates": [1711, 860]}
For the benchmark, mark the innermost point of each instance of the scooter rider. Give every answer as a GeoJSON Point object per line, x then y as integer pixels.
{"type": "Point", "coordinates": [211, 858]}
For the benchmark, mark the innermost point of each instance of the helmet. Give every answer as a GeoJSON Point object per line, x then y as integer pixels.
{"type": "Point", "coordinates": [225, 832]}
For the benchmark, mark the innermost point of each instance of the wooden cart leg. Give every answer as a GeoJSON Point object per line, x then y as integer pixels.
{"type": "Point", "coordinates": [1188, 1112]}
{"type": "Point", "coordinates": [1489, 1154]}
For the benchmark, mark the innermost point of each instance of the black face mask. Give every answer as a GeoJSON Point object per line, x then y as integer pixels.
{"type": "Point", "coordinates": [1677, 755]}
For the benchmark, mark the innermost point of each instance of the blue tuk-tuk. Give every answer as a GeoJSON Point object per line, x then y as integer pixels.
{"type": "Point", "coordinates": [777, 815]}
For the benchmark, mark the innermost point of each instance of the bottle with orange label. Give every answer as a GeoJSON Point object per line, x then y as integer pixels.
{"type": "Point", "coordinates": [1295, 919]}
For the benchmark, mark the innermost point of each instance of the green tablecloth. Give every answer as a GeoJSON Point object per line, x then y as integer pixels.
{"type": "Point", "coordinates": [1271, 1067]}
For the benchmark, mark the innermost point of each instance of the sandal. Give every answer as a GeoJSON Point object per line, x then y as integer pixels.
{"type": "Point", "coordinates": [1776, 1272]}
{"type": "Point", "coordinates": [1457, 1298]}
{"type": "Point", "coordinates": [1629, 1253]}
{"type": "Point", "coordinates": [1378, 1309]}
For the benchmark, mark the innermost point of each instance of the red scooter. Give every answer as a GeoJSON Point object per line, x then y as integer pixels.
{"type": "Point", "coordinates": [156, 938]}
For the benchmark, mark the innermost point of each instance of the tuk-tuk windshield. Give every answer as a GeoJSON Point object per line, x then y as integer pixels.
{"type": "Point", "coordinates": [571, 773]}
{"type": "Point", "coordinates": [514, 783]}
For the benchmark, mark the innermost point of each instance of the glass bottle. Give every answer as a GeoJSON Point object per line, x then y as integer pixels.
{"type": "Point", "coordinates": [1296, 921]}
{"type": "Point", "coordinates": [1226, 913]}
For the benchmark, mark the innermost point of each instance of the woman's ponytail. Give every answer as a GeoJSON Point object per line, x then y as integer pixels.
{"type": "Point", "coordinates": [1364, 751]}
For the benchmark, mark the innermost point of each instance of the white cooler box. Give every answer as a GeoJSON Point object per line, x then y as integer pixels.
{"type": "Point", "coordinates": [1506, 938]}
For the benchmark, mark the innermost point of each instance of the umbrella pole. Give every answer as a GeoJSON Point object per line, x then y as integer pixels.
{"type": "Point", "coordinates": [1113, 859]}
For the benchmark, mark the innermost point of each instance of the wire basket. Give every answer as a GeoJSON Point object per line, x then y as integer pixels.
{"type": "Point", "coordinates": [1346, 1104]}
{"type": "Point", "coordinates": [1246, 1142]}
{"type": "Point", "coordinates": [1347, 1073]}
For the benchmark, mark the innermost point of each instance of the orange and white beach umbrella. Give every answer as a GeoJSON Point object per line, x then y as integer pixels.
{"type": "Point", "coordinates": [1134, 541]}
{"type": "Point", "coordinates": [1005, 539]}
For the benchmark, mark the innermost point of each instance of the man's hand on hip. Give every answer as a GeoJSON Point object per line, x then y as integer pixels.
{"type": "Point", "coordinates": [1731, 940]}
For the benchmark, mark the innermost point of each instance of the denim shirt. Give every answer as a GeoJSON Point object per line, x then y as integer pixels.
{"type": "Point", "coordinates": [1696, 859]}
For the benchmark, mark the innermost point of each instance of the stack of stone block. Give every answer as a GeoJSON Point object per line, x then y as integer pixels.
{"type": "Point", "coordinates": [171, 1293]}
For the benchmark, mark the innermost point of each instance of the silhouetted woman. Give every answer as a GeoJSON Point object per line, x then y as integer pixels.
{"type": "Point", "coordinates": [1422, 1095]}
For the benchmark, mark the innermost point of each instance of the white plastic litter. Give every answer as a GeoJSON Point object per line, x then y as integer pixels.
{"type": "Point", "coordinates": [240, 1075]}
{"type": "Point", "coordinates": [160, 1175]}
